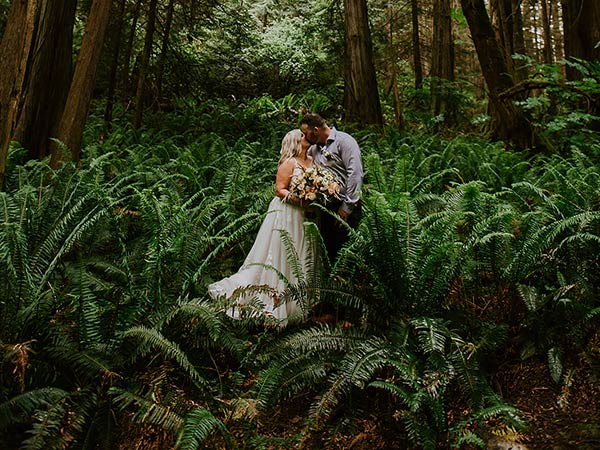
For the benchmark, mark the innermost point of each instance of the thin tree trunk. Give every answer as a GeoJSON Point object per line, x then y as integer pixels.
{"type": "Point", "coordinates": [416, 42]}
{"type": "Point", "coordinates": [72, 122]}
{"type": "Point", "coordinates": [144, 64]}
{"type": "Point", "coordinates": [546, 32]}
{"type": "Point", "coordinates": [508, 22]}
{"type": "Point", "coordinates": [125, 79]}
{"type": "Point", "coordinates": [539, 51]}
{"type": "Point", "coordinates": [114, 66]}
{"type": "Point", "coordinates": [508, 121]}
{"type": "Point", "coordinates": [35, 56]}
{"type": "Point", "coordinates": [361, 96]}
{"type": "Point", "coordinates": [442, 64]}
{"type": "Point", "coordinates": [391, 69]}
{"type": "Point", "coordinates": [165, 46]}
{"type": "Point", "coordinates": [557, 34]}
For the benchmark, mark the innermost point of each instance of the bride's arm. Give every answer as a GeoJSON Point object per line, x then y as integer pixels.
{"type": "Point", "coordinates": [282, 182]}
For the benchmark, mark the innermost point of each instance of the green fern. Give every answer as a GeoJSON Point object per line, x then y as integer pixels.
{"type": "Point", "coordinates": [199, 425]}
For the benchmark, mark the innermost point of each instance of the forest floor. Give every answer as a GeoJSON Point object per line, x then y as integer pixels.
{"type": "Point", "coordinates": [557, 418]}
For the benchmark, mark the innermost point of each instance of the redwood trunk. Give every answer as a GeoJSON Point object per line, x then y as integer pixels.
{"type": "Point", "coordinates": [581, 21]}
{"type": "Point", "coordinates": [509, 31]}
{"type": "Point", "coordinates": [72, 122]}
{"type": "Point", "coordinates": [508, 121]}
{"type": "Point", "coordinates": [361, 96]}
{"type": "Point", "coordinates": [35, 56]}
{"type": "Point", "coordinates": [548, 57]}
{"type": "Point", "coordinates": [416, 42]}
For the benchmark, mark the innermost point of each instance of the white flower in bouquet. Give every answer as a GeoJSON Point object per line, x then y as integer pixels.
{"type": "Point", "coordinates": [315, 184]}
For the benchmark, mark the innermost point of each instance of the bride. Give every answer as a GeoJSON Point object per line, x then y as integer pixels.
{"type": "Point", "coordinates": [268, 254]}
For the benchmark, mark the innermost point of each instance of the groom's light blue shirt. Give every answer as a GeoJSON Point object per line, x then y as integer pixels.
{"type": "Point", "coordinates": [341, 155]}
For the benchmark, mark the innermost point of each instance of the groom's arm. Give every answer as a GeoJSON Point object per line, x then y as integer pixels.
{"type": "Point", "coordinates": [350, 154]}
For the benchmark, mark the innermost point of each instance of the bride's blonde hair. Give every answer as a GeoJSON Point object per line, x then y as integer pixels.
{"type": "Point", "coordinates": [290, 145]}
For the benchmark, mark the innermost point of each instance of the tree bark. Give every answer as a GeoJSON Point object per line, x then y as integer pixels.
{"type": "Point", "coordinates": [548, 56]}
{"type": "Point", "coordinates": [165, 46]}
{"type": "Point", "coordinates": [72, 122]}
{"type": "Point", "coordinates": [581, 22]}
{"type": "Point", "coordinates": [442, 62]}
{"type": "Point", "coordinates": [508, 121]}
{"type": "Point", "coordinates": [35, 56]}
{"type": "Point", "coordinates": [361, 96]}
{"type": "Point", "coordinates": [144, 64]}
{"type": "Point", "coordinates": [509, 32]}
{"type": "Point", "coordinates": [392, 57]}
{"type": "Point", "coordinates": [114, 66]}
{"type": "Point", "coordinates": [557, 35]}
{"type": "Point", "coordinates": [416, 42]}
{"type": "Point", "coordinates": [125, 78]}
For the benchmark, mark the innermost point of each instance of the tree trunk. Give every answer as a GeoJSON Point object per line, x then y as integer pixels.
{"type": "Point", "coordinates": [508, 22]}
{"type": "Point", "coordinates": [125, 79]}
{"type": "Point", "coordinates": [392, 57]}
{"type": "Point", "coordinates": [508, 121]}
{"type": "Point", "coordinates": [548, 57]}
{"type": "Point", "coordinates": [72, 122]}
{"type": "Point", "coordinates": [557, 35]}
{"type": "Point", "coordinates": [114, 66]}
{"type": "Point", "coordinates": [418, 65]}
{"type": "Point", "coordinates": [144, 64]}
{"type": "Point", "coordinates": [581, 21]}
{"type": "Point", "coordinates": [165, 47]}
{"type": "Point", "coordinates": [442, 62]}
{"type": "Point", "coordinates": [35, 56]}
{"type": "Point", "coordinates": [361, 96]}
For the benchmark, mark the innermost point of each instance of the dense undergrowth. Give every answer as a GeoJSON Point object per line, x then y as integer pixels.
{"type": "Point", "coordinates": [469, 256]}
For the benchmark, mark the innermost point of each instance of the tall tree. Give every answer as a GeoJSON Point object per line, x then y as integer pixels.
{"type": "Point", "coordinates": [125, 77]}
{"type": "Point", "coordinates": [508, 121]}
{"type": "Point", "coordinates": [361, 96]}
{"type": "Point", "coordinates": [391, 60]}
{"type": "Point", "coordinates": [114, 65]}
{"type": "Point", "coordinates": [144, 64]}
{"type": "Point", "coordinates": [72, 121]}
{"type": "Point", "coordinates": [165, 47]}
{"type": "Point", "coordinates": [416, 44]}
{"type": "Point", "coordinates": [581, 22]}
{"type": "Point", "coordinates": [36, 59]}
{"type": "Point", "coordinates": [508, 22]}
{"type": "Point", "coordinates": [546, 33]}
{"type": "Point", "coordinates": [557, 35]}
{"type": "Point", "coordinates": [442, 61]}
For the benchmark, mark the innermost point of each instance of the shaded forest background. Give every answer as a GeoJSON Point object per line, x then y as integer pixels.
{"type": "Point", "coordinates": [138, 146]}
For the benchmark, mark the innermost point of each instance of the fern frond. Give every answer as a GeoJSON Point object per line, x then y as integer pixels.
{"type": "Point", "coordinates": [19, 408]}
{"type": "Point", "coordinates": [149, 411]}
{"type": "Point", "coordinates": [153, 339]}
{"type": "Point", "coordinates": [198, 426]}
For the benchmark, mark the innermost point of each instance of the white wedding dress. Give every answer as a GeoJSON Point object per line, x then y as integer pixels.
{"type": "Point", "coordinates": [268, 251]}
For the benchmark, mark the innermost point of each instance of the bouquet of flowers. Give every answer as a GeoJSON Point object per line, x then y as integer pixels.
{"type": "Point", "coordinates": [315, 184]}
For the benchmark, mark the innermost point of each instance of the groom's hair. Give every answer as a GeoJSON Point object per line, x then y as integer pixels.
{"type": "Point", "coordinates": [313, 120]}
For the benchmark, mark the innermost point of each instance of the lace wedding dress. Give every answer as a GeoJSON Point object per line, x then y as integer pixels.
{"type": "Point", "coordinates": [268, 251]}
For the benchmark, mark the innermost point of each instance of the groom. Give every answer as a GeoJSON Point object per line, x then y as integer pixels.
{"type": "Point", "coordinates": [338, 152]}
